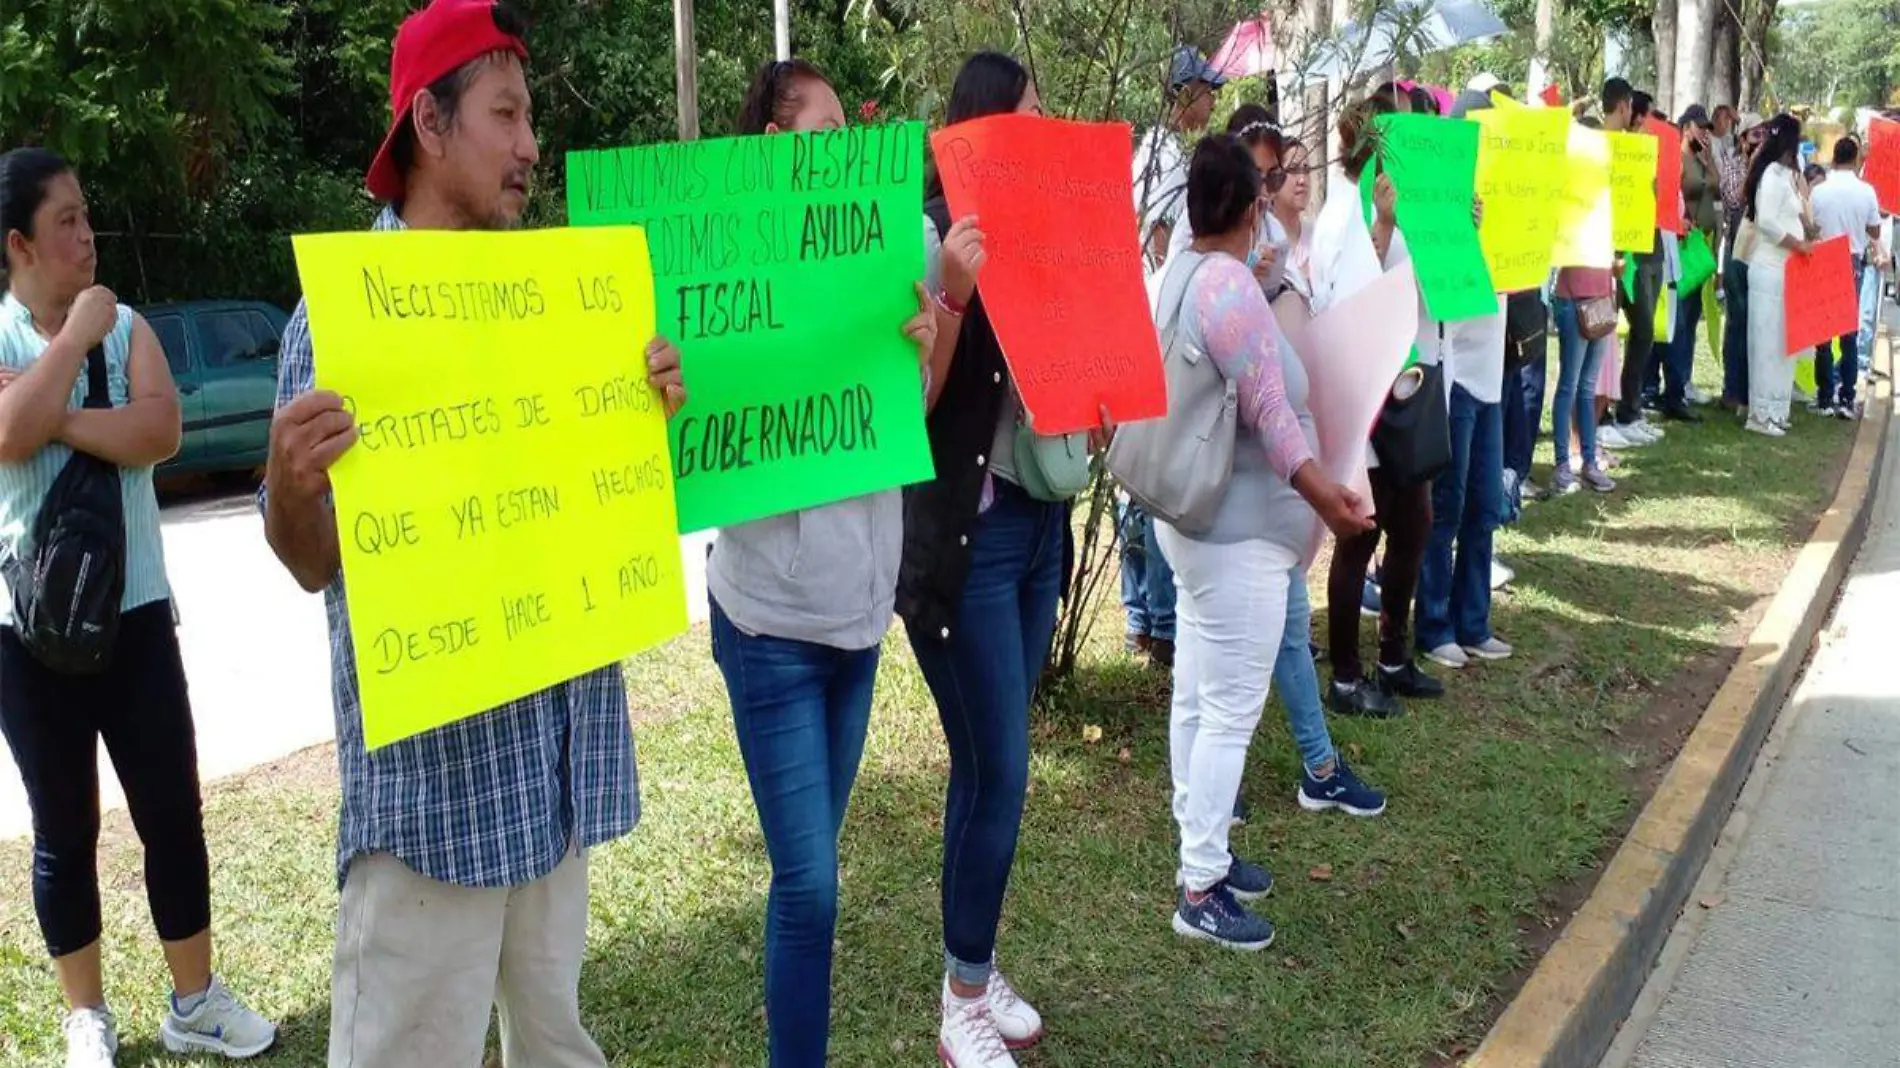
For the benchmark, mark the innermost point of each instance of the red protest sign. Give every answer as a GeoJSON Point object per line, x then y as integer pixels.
{"type": "Point", "coordinates": [1819, 299]}
{"type": "Point", "coordinates": [1552, 96]}
{"type": "Point", "coordinates": [1883, 163]}
{"type": "Point", "coordinates": [1668, 175]}
{"type": "Point", "coordinates": [1063, 285]}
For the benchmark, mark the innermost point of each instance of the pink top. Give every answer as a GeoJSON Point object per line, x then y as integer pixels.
{"type": "Point", "coordinates": [1237, 329]}
{"type": "Point", "coordinates": [1584, 283]}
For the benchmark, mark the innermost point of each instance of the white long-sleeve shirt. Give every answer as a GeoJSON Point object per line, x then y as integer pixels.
{"type": "Point", "coordinates": [1777, 215]}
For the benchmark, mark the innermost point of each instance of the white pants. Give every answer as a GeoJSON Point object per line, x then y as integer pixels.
{"type": "Point", "coordinates": [1230, 610]}
{"type": "Point", "coordinates": [420, 963]}
{"type": "Point", "coordinates": [1770, 371]}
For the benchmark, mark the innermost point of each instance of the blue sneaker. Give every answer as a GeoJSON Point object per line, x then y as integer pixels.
{"type": "Point", "coordinates": [1341, 790]}
{"type": "Point", "coordinates": [1247, 881]}
{"type": "Point", "coordinates": [1219, 919]}
{"type": "Point", "coordinates": [1369, 599]}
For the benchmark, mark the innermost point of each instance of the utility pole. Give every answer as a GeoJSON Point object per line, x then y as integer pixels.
{"type": "Point", "coordinates": [782, 27]}
{"type": "Point", "coordinates": [686, 53]}
{"type": "Point", "coordinates": [1540, 52]}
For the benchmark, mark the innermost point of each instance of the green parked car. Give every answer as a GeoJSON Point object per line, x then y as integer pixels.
{"type": "Point", "coordinates": [223, 355]}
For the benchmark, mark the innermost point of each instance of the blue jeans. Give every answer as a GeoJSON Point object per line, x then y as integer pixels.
{"type": "Point", "coordinates": [1578, 364]}
{"type": "Point", "coordinates": [1454, 589]}
{"type": "Point", "coordinates": [1869, 316]}
{"type": "Point", "coordinates": [1524, 412]}
{"type": "Point", "coordinates": [800, 711]}
{"type": "Point", "coordinates": [983, 676]}
{"type": "Point", "coordinates": [1147, 580]}
{"type": "Point", "coordinates": [1675, 361]}
{"type": "Point", "coordinates": [1827, 390]}
{"type": "Point", "coordinates": [1735, 331]}
{"type": "Point", "coordinates": [1297, 680]}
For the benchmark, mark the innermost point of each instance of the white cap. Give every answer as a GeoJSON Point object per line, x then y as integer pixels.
{"type": "Point", "coordinates": [1483, 83]}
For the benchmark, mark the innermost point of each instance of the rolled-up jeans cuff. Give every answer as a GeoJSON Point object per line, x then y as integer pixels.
{"type": "Point", "coordinates": [966, 973]}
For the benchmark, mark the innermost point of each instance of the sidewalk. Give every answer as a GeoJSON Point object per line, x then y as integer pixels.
{"type": "Point", "coordinates": [1788, 955]}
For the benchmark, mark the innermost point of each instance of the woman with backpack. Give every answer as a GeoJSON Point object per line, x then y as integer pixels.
{"type": "Point", "coordinates": [800, 605]}
{"type": "Point", "coordinates": [987, 546]}
{"type": "Point", "coordinates": [1235, 576]}
{"type": "Point", "coordinates": [59, 335]}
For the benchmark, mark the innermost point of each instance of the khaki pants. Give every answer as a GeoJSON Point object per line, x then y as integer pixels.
{"type": "Point", "coordinates": [419, 963]}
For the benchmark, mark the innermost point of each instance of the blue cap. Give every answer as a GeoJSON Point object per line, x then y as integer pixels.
{"type": "Point", "coordinates": [1191, 66]}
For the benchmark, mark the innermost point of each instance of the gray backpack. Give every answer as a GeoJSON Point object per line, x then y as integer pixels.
{"type": "Point", "coordinates": [1177, 467]}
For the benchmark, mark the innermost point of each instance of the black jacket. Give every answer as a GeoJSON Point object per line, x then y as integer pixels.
{"type": "Point", "coordinates": [939, 514]}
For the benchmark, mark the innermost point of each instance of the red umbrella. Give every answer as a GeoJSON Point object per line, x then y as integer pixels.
{"type": "Point", "coordinates": [1248, 49]}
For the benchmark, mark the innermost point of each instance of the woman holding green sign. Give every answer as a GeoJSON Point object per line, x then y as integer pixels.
{"type": "Point", "coordinates": [800, 603]}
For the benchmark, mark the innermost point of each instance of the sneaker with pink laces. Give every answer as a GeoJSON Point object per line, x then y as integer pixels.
{"type": "Point", "coordinates": [1016, 1020]}
{"type": "Point", "coordinates": [968, 1037]}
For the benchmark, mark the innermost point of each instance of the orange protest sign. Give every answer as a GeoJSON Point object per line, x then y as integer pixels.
{"type": "Point", "coordinates": [1063, 285]}
{"type": "Point", "coordinates": [1668, 175]}
{"type": "Point", "coordinates": [1819, 298]}
{"type": "Point", "coordinates": [1883, 163]}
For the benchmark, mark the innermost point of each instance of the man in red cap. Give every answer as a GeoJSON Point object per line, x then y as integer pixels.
{"type": "Point", "coordinates": [461, 853]}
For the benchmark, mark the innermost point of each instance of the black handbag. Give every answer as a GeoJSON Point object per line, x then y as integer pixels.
{"type": "Point", "coordinates": [68, 582]}
{"type": "Point", "coordinates": [1413, 435]}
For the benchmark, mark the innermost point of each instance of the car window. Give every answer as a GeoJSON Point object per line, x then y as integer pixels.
{"type": "Point", "coordinates": [227, 338]}
{"type": "Point", "coordinates": [171, 336]}
{"type": "Point", "coordinates": [263, 331]}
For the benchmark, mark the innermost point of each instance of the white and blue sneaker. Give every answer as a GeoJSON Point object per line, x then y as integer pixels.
{"type": "Point", "coordinates": [1219, 919]}
{"type": "Point", "coordinates": [92, 1038]}
{"type": "Point", "coordinates": [218, 1024]}
{"type": "Point", "coordinates": [1341, 790]}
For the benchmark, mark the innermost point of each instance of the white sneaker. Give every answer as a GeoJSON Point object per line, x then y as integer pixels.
{"type": "Point", "coordinates": [220, 1024]}
{"type": "Point", "coordinates": [1016, 1020]}
{"type": "Point", "coordinates": [969, 1037]}
{"type": "Point", "coordinates": [1694, 395]}
{"type": "Point", "coordinates": [1501, 574]}
{"type": "Point", "coordinates": [92, 1038]}
{"type": "Point", "coordinates": [1492, 648]}
{"type": "Point", "coordinates": [1611, 436]}
{"type": "Point", "coordinates": [1448, 655]}
{"type": "Point", "coordinates": [1765, 429]}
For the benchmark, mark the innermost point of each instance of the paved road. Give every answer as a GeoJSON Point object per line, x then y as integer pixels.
{"type": "Point", "coordinates": [1789, 953]}
{"type": "Point", "coordinates": [255, 646]}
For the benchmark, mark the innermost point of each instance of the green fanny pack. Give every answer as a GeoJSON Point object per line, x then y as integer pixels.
{"type": "Point", "coordinates": [1051, 468]}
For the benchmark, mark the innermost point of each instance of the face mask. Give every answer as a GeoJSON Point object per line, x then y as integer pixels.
{"type": "Point", "coordinates": [1253, 259]}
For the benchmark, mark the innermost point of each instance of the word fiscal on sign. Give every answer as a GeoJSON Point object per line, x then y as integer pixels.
{"type": "Point", "coordinates": [506, 517]}
{"type": "Point", "coordinates": [1521, 178]}
{"type": "Point", "coordinates": [1819, 296]}
{"type": "Point", "coordinates": [1632, 191]}
{"type": "Point", "coordinates": [1434, 165]}
{"type": "Point", "coordinates": [786, 267]}
{"type": "Point", "coordinates": [1063, 284]}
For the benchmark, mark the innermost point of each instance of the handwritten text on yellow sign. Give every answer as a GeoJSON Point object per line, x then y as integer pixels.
{"type": "Point", "coordinates": [507, 518]}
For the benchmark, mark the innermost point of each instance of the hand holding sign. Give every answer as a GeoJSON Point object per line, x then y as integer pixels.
{"type": "Point", "coordinates": [1062, 282]}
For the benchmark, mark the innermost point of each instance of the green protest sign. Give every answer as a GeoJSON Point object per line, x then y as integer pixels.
{"type": "Point", "coordinates": [784, 267]}
{"type": "Point", "coordinates": [1433, 163]}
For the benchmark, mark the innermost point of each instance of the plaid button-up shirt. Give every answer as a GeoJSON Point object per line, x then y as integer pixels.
{"type": "Point", "coordinates": [494, 800]}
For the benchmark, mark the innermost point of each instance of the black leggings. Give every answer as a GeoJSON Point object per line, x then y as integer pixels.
{"type": "Point", "coordinates": [53, 724]}
{"type": "Point", "coordinates": [1404, 515]}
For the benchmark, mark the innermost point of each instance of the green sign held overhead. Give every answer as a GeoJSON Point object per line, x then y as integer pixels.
{"type": "Point", "coordinates": [1433, 164]}
{"type": "Point", "coordinates": [784, 267]}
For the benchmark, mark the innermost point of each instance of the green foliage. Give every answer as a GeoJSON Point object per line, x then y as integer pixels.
{"type": "Point", "coordinates": [1838, 52]}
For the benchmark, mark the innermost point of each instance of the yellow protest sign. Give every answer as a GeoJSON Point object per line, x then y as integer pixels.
{"type": "Point", "coordinates": [506, 519]}
{"type": "Point", "coordinates": [1522, 176]}
{"type": "Point", "coordinates": [1583, 226]}
{"type": "Point", "coordinates": [1632, 191]}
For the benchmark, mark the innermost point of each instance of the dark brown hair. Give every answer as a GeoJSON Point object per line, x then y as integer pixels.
{"type": "Point", "coordinates": [1358, 137]}
{"type": "Point", "coordinates": [775, 95]}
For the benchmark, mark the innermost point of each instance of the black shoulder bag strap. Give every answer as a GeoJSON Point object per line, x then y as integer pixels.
{"type": "Point", "coordinates": [98, 395]}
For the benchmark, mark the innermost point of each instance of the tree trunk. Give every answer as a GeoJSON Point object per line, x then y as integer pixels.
{"type": "Point", "coordinates": [686, 69]}
{"type": "Point", "coordinates": [1725, 70]}
{"type": "Point", "coordinates": [1695, 37]}
{"type": "Point", "coordinates": [1540, 57]}
{"type": "Point", "coordinates": [1757, 18]}
{"type": "Point", "coordinates": [1662, 25]}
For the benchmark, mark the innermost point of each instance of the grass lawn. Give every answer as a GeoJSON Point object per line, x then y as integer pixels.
{"type": "Point", "coordinates": [1398, 935]}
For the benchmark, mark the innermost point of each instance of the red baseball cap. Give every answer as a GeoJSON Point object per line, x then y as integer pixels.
{"type": "Point", "coordinates": [431, 45]}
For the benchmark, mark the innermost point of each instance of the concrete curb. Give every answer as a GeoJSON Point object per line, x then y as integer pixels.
{"type": "Point", "coordinates": [1568, 1013]}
